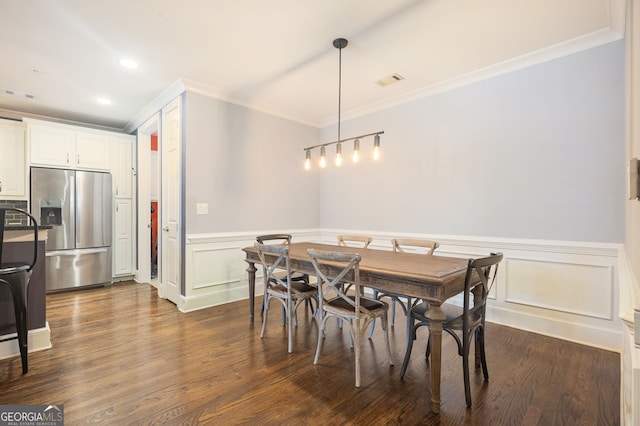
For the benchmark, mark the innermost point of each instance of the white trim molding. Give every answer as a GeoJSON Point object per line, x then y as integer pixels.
{"type": "Point", "coordinates": [38, 339]}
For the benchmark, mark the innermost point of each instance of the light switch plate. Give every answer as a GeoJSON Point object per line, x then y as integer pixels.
{"type": "Point", "coordinates": [202, 208]}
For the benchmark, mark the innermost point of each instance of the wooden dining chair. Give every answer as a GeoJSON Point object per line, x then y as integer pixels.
{"type": "Point", "coordinates": [463, 323]}
{"type": "Point", "coordinates": [282, 239]}
{"type": "Point", "coordinates": [283, 289]}
{"type": "Point", "coordinates": [353, 308]}
{"type": "Point", "coordinates": [402, 245]}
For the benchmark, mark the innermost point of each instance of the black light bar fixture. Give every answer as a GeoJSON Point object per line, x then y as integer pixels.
{"type": "Point", "coordinates": [341, 43]}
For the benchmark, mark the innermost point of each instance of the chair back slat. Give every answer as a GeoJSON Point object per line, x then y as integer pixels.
{"type": "Point", "coordinates": [32, 223]}
{"type": "Point", "coordinates": [401, 244]}
{"type": "Point", "coordinates": [284, 239]}
{"type": "Point", "coordinates": [360, 241]}
{"type": "Point", "coordinates": [282, 262]}
{"type": "Point", "coordinates": [480, 273]}
{"type": "Point", "coordinates": [347, 266]}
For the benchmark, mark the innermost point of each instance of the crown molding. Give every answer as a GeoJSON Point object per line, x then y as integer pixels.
{"type": "Point", "coordinates": [569, 47]}
{"type": "Point", "coordinates": [170, 93]}
{"type": "Point", "coordinates": [202, 89]}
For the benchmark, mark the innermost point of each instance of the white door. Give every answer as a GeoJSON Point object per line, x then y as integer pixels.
{"type": "Point", "coordinates": [170, 221]}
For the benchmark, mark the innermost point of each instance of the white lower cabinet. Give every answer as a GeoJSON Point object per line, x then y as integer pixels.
{"type": "Point", "coordinates": [122, 238]}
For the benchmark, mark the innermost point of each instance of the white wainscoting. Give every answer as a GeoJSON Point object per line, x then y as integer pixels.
{"type": "Point", "coordinates": [568, 290]}
{"type": "Point", "coordinates": [215, 270]}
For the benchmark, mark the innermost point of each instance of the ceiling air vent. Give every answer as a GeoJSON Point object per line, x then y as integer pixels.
{"type": "Point", "coordinates": [394, 78]}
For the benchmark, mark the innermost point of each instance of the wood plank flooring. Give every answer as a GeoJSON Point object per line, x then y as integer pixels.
{"type": "Point", "coordinates": [122, 356]}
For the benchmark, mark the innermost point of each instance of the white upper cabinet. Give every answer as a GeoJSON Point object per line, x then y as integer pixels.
{"type": "Point", "coordinates": [122, 167]}
{"type": "Point", "coordinates": [70, 147]}
{"type": "Point", "coordinates": [52, 146]}
{"type": "Point", "coordinates": [92, 151]}
{"type": "Point", "coordinates": [13, 165]}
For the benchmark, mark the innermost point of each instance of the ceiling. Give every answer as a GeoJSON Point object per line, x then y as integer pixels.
{"type": "Point", "coordinates": [275, 56]}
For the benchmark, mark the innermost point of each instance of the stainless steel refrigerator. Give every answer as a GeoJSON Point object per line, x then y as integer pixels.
{"type": "Point", "coordinates": [77, 204]}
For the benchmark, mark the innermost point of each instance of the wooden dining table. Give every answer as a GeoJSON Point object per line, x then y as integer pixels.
{"type": "Point", "coordinates": [432, 278]}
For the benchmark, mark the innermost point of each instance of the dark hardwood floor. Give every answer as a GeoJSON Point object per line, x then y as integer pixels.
{"type": "Point", "coordinates": [122, 356]}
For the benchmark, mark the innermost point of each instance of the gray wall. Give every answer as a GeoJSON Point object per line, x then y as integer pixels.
{"type": "Point", "coordinates": [248, 166]}
{"type": "Point", "coordinates": [537, 153]}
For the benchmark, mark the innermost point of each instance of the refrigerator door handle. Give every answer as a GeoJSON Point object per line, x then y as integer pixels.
{"type": "Point", "coordinates": [75, 252]}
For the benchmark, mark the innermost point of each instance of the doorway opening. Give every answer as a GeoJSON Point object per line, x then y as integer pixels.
{"type": "Point", "coordinates": [154, 194]}
{"type": "Point", "coordinates": [149, 204]}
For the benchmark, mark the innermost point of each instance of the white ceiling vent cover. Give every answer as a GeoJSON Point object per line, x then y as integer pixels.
{"type": "Point", "coordinates": [394, 78]}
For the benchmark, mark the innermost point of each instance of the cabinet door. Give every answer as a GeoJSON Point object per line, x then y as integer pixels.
{"type": "Point", "coordinates": [122, 249]}
{"type": "Point", "coordinates": [52, 146]}
{"type": "Point", "coordinates": [13, 166]}
{"type": "Point", "coordinates": [122, 166]}
{"type": "Point", "coordinates": [92, 151]}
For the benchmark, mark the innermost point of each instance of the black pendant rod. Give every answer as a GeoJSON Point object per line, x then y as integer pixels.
{"type": "Point", "coordinates": [339, 44]}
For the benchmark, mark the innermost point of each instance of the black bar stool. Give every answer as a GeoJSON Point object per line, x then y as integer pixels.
{"type": "Point", "coordinates": [16, 276]}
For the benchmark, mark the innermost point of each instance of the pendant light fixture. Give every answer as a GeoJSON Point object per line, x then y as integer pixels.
{"type": "Point", "coordinates": [341, 43]}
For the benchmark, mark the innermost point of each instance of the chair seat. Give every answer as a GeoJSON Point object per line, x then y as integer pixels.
{"type": "Point", "coordinates": [299, 276]}
{"type": "Point", "coordinates": [297, 288]}
{"type": "Point", "coordinates": [453, 313]}
{"type": "Point", "coordinates": [339, 305]}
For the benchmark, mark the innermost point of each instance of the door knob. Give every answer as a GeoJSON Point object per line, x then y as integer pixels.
{"type": "Point", "coordinates": [165, 229]}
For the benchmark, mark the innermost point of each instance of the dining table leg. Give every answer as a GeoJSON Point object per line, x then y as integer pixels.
{"type": "Point", "coordinates": [436, 318]}
{"type": "Point", "coordinates": [251, 269]}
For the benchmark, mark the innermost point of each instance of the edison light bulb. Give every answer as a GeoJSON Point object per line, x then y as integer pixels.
{"type": "Point", "coordinates": [356, 151]}
{"type": "Point", "coordinates": [307, 161]}
{"type": "Point", "coordinates": [376, 147]}
{"type": "Point", "coordinates": [323, 158]}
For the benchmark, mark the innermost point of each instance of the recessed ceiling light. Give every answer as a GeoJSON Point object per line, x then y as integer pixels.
{"type": "Point", "coordinates": [103, 101]}
{"type": "Point", "coordinates": [18, 93]}
{"type": "Point", "coordinates": [128, 63]}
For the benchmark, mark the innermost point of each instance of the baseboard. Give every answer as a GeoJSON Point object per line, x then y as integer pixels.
{"type": "Point", "coordinates": [38, 339]}
{"type": "Point", "coordinates": [576, 332]}
{"type": "Point", "coordinates": [219, 296]}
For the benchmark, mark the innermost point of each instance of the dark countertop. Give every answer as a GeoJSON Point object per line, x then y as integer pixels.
{"type": "Point", "coordinates": [25, 228]}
